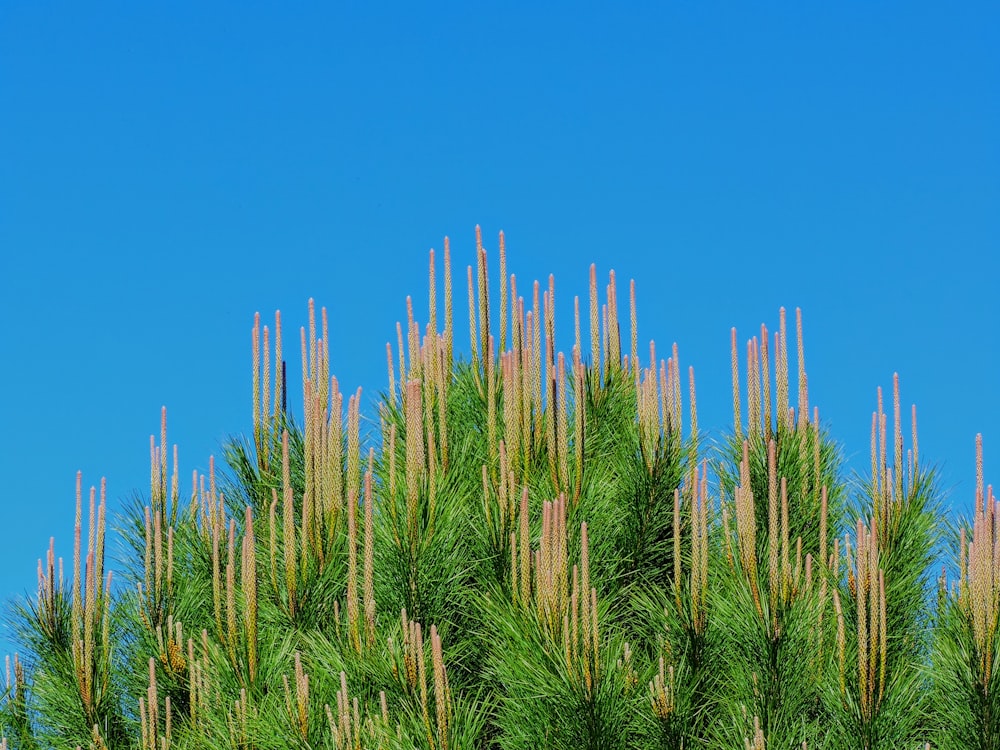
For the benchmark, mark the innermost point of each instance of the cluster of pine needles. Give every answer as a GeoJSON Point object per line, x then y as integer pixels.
{"type": "Point", "coordinates": [521, 548]}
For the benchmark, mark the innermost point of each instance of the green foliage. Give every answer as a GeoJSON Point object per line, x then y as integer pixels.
{"type": "Point", "coordinates": [528, 550]}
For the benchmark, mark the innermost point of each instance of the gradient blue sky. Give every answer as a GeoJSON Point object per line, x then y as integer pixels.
{"type": "Point", "coordinates": [168, 169]}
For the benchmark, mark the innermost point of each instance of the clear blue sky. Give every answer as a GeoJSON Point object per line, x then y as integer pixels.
{"type": "Point", "coordinates": [168, 169]}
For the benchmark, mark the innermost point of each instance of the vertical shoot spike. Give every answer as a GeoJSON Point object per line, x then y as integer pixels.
{"type": "Point", "coordinates": [803, 380]}
{"type": "Point", "coordinates": [162, 489]}
{"type": "Point", "coordinates": [414, 455]}
{"type": "Point", "coordinates": [980, 497]}
{"type": "Point", "coordinates": [634, 329]}
{"type": "Point", "coordinates": [677, 392]}
{"type": "Point", "coordinates": [288, 524]}
{"type": "Point", "coordinates": [579, 409]}
{"type": "Point", "coordinates": [401, 346]}
{"type": "Point", "coordinates": [614, 332]}
{"type": "Point", "coordinates": [255, 343]}
{"type": "Point", "coordinates": [577, 352]}
{"type": "Point", "coordinates": [753, 389]}
{"type": "Point", "coordinates": [392, 374]}
{"type": "Point", "coordinates": [305, 356]}
{"type": "Point", "coordinates": [448, 327]}
{"type": "Point", "coordinates": [354, 442]}
{"type": "Point", "coordinates": [595, 331]}
{"type": "Point", "coordinates": [525, 390]}
{"type": "Point", "coordinates": [491, 401]}
{"type": "Point", "coordinates": [484, 292]}
{"type": "Point", "coordinates": [783, 396]}
{"type": "Point", "coordinates": [536, 343]}
{"type": "Point", "coordinates": [249, 584]}
{"type": "Point", "coordinates": [231, 613]}
{"type": "Point", "coordinates": [324, 356]}
{"type": "Point", "coordinates": [412, 341]}
{"type": "Point", "coordinates": [897, 437]}
{"type": "Point", "coordinates": [279, 371]}
{"type": "Point", "coordinates": [765, 373]}
{"type": "Point", "coordinates": [562, 424]}
{"type": "Point", "coordinates": [442, 401]}
{"type": "Point", "coordinates": [694, 414]}
{"type": "Point", "coordinates": [77, 610]}
{"type": "Point", "coordinates": [313, 364]}
{"type": "Point", "coordinates": [503, 293]}
{"type": "Point", "coordinates": [432, 295]}
{"type": "Point", "coordinates": [677, 548]}
{"type": "Point", "coordinates": [786, 568]}
{"type": "Point", "coordinates": [734, 356]}
{"type": "Point", "coordinates": [520, 334]}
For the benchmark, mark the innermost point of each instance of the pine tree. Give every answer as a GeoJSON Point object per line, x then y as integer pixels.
{"type": "Point", "coordinates": [531, 548]}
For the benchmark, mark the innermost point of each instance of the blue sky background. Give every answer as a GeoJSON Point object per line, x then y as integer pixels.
{"type": "Point", "coordinates": [168, 169]}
